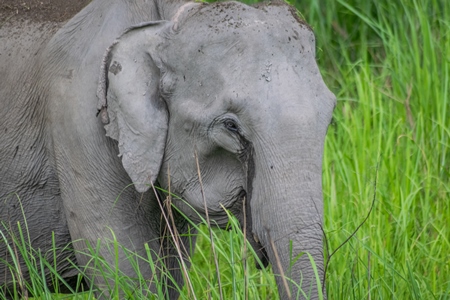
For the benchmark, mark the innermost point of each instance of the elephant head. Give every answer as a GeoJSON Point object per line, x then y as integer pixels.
{"type": "Point", "coordinates": [237, 90]}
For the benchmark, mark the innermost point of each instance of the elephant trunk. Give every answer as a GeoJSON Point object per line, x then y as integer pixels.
{"type": "Point", "coordinates": [287, 211]}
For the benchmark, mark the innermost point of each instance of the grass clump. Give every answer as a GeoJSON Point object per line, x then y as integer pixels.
{"type": "Point", "coordinates": [388, 63]}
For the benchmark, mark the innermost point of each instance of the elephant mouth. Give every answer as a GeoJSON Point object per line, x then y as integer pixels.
{"type": "Point", "coordinates": [218, 211]}
{"type": "Point", "coordinates": [233, 205]}
{"type": "Point", "coordinates": [245, 219]}
{"type": "Point", "coordinates": [237, 203]}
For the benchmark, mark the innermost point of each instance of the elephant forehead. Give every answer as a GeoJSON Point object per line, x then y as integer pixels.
{"type": "Point", "coordinates": [271, 93]}
{"type": "Point", "coordinates": [229, 16]}
{"type": "Point", "coordinates": [224, 32]}
{"type": "Point", "coordinates": [228, 54]}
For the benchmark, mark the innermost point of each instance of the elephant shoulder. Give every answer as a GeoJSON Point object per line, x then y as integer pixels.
{"type": "Point", "coordinates": [21, 42]}
{"type": "Point", "coordinates": [40, 11]}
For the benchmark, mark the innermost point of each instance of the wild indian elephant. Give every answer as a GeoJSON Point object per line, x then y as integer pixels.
{"type": "Point", "coordinates": [180, 89]}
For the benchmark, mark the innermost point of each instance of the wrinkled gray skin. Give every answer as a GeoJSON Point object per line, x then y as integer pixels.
{"type": "Point", "coordinates": [235, 86]}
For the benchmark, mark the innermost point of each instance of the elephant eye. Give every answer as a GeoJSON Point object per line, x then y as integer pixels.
{"type": "Point", "coordinates": [231, 125]}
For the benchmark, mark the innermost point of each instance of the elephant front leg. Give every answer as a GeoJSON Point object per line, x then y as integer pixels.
{"type": "Point", "coordinates": [115, 232]}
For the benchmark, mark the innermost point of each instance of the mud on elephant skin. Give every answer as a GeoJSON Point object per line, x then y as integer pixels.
{"type": "Point", "coordinates": [233, 88]}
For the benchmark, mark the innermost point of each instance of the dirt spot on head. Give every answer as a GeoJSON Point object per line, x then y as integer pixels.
{"type": "Point", "coordinates": [40, 10]}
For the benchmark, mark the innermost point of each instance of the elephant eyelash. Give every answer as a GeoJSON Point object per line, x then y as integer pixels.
{"type": "Point", "coordinates": [231, 125]}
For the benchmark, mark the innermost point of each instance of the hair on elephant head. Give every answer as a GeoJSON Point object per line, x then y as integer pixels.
{"type": "Point", "coordinates": [237, 91]}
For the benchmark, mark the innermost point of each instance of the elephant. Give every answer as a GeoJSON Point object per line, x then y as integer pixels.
{"type": "Point", "coordinates": [222, 104]}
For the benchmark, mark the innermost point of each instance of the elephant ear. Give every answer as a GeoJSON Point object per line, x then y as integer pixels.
{"type": "Point", "coordinates": [130, 105]}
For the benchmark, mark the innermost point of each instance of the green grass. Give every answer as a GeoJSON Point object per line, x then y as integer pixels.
{"type": "Point", "coordinates": [388, 62]}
